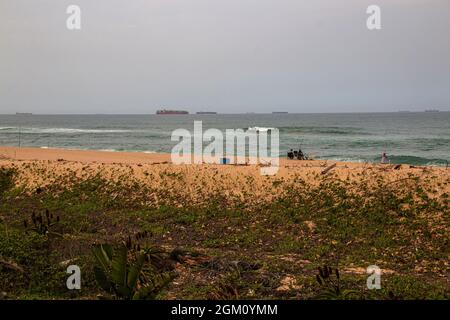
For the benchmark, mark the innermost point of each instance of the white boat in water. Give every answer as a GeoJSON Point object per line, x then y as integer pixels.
{"type": "Point", "coordinates": [260, 129]}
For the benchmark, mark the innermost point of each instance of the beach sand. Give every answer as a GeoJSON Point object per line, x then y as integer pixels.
{"type": "Point", "coordinates": [85, 156]}
{"type": "Point", "coordinates": [39, 167]}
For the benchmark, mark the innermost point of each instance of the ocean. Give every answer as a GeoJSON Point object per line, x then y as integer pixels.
{"type": "Point", "coordinates": [415, 138]}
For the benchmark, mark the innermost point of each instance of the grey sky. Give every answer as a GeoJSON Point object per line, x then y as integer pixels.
{"type": "Point", "coordinates": [224, 55]}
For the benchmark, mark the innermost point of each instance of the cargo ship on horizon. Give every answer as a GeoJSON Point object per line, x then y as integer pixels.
{"type": "Point", "coordinates": [164, 112]}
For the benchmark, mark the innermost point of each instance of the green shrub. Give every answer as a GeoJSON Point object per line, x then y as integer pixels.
{"type": "Point", "coordinates": [26, 265]}
{"type": "Point", "coordinates": [7, 177]}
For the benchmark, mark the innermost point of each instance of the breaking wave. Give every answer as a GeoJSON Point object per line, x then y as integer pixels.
{"type": "Point", "coordinates": [60, 130]}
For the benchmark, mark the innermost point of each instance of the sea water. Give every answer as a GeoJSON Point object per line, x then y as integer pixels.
{"type": "Point", "coordinates": [421, 138]}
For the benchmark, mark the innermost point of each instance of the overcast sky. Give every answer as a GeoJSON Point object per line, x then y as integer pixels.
{"type": "Point", "coordinates": [224, 55]}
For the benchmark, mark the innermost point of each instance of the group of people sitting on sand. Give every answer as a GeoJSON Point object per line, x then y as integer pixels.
{"type": "Point", "coordinates": [299, 155]}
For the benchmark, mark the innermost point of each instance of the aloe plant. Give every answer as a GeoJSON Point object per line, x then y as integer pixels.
{"type": "Point", "coordinates": [121, 272]}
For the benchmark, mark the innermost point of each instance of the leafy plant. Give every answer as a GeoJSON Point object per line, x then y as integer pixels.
{"type": "Point", "coordinates": [329, 279]}
{"type": "Point", "coordinates": [26, 266]}
{"type": "Point", "coordinates": [125, 272]}
{"type": "Point", "coordinates": [6, 180]}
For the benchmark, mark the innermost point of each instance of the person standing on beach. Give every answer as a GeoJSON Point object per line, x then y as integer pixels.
{"type": "Point", "coordinates": [384, 158]}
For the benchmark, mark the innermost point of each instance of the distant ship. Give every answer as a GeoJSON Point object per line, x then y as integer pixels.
{"type": "Point", "coordinates": [171, 112]}
{"type": "Point", "coordinates": [279, 112]}
{"type": "Point", "coordinates": [24, 113]}
{"type": "Point", "coordinates": [206, 112]}
{"type": "Point", "coordinates": [432, 110]}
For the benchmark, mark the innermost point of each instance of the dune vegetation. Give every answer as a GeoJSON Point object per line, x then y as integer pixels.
{"type": "Point", "coordinates": [195, 242]}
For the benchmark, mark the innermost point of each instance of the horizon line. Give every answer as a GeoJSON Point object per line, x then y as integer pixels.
{"type": "Point", "coordinates": [218, 113]}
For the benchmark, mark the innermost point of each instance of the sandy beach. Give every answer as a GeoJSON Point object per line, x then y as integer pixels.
{"type": "Point", "coordinates": [37, 167]}
{"type": "Point", "coordinates": [85, 156]}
